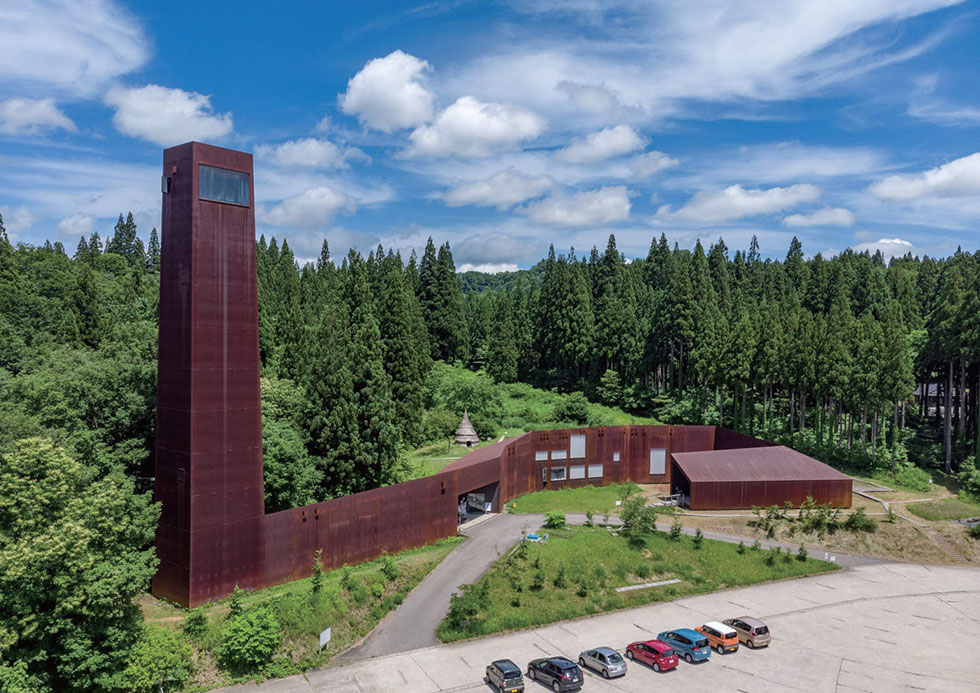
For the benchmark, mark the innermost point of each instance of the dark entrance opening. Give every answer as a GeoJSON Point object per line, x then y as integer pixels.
{"type": "Point", "coordinates": [478, 501]}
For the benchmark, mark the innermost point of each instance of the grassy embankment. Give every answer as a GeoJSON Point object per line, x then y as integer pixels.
{"type": "Point", "coordinates": [576, 571]}
{"type": "Point", "coordinates": [351, 611]}
{"type": "Point", "coordinates": [944, 509]}
{"type": "Point", "coordinates": [598, 499]}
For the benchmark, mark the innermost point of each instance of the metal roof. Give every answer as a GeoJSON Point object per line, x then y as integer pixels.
{"type": "Point", "coordinates": [776, 463]}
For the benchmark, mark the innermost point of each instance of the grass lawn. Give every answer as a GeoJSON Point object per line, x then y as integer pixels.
{"type": "Point", "coordinates": [598, 499]}
{"type": "Point", "coordinates": [576, 572]}
{"type": "Point", "coordinates": [351, 612]}
{"type": "Point", "coordinates": [945, 509]}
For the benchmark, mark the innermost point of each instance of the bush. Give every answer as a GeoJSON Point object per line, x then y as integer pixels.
{"type": "Point", "coordinates": [698, 539]}
{"type": "Point", "coordinates": [196, 624]}
{"type": "Point", "coordinates": [249, 640]}
{"type": "Point", "coordinates": [913, 477]}
{"type": "Point", "coordinates": [316, 582]}
{"type": "Point", "coordinates": [756, 545]}
{"type": "Point", "coordinates": [675, 531]}
{"type": "Point", "coordinates": [378, 590]}
{"type": "Point", "coordinates": [389, 568]}
{"type": "Point", "coordinates": [975, 531]}
{"type": "Point", "coordinates": [969, 477]}
{"type": "Point", "coordinates": [439, 424]}
{"type": "Point", "coordinates": [555, 519]}
{"type": "Point", "coordinates": [573, 408]}
{"type": "Point", "coordinates": [235, 602]}
{"type": "Point", "coordinates": [589, 518]}
{"type": "Point", "coordinates": [740, 549]}
{"type": "Point", "coordinates": [801, 554]}
{"type": "Point", "coordinates": [772, 555]}
{"type": "Point", "coordinates": [347, 577]}
{"type": "Point", "coordinates": [561, 579]}
{"type": "Point", "coordinates": [465, 605]}
{"type": "Point", "coordinates": [643, 570]}
{"type": "Point", "coordinates": [160, 661]}
{"type": "Point", "coordinates": [858, 521]}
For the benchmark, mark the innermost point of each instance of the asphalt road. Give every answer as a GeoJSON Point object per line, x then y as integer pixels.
{"type": "Point", "coordinates": [413, 624]}
{"type": "Point", "coordinates": [884, 627]}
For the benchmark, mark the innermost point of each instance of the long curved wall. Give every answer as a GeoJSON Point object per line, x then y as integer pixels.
{"type": "Point", "coordinates": [362, 526]}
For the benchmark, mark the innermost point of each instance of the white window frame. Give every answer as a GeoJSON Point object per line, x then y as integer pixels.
{"type": "Point", "coordinates": [615, 457]}
{"type": "Point", "coordinates": [559, 454]}
{"type": "Point", "coordinates": [593, 469]}
{"type": "Point", "coordinates": [576, 471]}
{"type": "Point", "coordinates": [541, 456]}
{"type": "Point", "coordinates": [576, 446]}
{"type": "Point", "coordinates": [562, 470]}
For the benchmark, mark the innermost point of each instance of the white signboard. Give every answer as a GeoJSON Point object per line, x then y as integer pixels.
{"type": "Point", "coordinates": [324, 639]}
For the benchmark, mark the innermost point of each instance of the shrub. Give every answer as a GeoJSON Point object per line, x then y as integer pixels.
{"type": "Point", "coordinates": [740, 549]}
{"type": "Point", "coordinates": [891, 515]}
{"type": "Point", "coordinates": [969, 477]}
{"type": "Point", "coordinates": [439, 424]}
{"type": "Point", "coordinates": [196, 624]}
{"type": "Point", "coordinates": [465, 604]}
{"type": "Point", "coordinates": [914, 477]}
{"type": "Point", "coordinates": [643, 570]}
{"type": "Point", "coordinates": [772, 555]}
{"type": "Point", "coordinates": [858, 521]}
{"type": "Point", "coordinates": [573, 408]}
{"type": "Point", "coordinates": [554, 519]}
{"type": "Point", "coordinates": [675, 531]}
{"type": "Point", "coordinates": [160, 661]}
{"type": "Point", "coordinates": [249, 640]}
{"type": "Point", "coordinates": [975, 531]}
{"type": "Point", "coordinates": [389, 568]}
{"type": "Point", "coordinates": [347, 578]}
{"type": "Point", "coordinates": [316, 582]}
{"type": "Point", "coordinates": [801, 554]}
{"type": "Point", "coordinates": [537, 581]}
{"type": "Point", "coordinates": [235, 602]}
{"type": "Point", "coordinates": [600, 574]}
{"type": "Point", "coordinates": [589, 522]}
{"type": "Point", "coordinates": [637, 519]}
{"type": "Point", "coordinates": [560, 580]}
{"type": "Point", "coordinates": [756, 545]}
{"type": "Point", "coordinates": [378, 590]}
{"type": "Point", "coordinates": [698, 539]}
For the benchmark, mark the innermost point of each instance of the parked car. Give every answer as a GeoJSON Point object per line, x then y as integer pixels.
{"type": "Point", "coordinates": [689, 644]}
{"type": "Point", "coordinates": [751, 631]}
{"type": "Point", "coordinates": [558, 672]}
{"type": "Point", "coordinates": [506, 676]}
{"type": "Point", "coordinates": [605, 660]}
{"type": "Point", "coordinates": [655, 653]}
{"type": "Point", "coordinates": [720, 636]}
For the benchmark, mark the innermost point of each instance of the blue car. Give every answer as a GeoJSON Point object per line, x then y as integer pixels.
{"type": "Point", "coordinates": [689, 644]}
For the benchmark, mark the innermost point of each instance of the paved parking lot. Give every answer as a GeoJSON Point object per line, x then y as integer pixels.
{"type": "Point", "coordinates": [887, 627]}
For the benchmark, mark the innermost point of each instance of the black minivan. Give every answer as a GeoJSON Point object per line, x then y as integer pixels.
{"type": "Point", "coordinates": [506, 676]}
{"type": "Point", "coordinates": [559, 673]}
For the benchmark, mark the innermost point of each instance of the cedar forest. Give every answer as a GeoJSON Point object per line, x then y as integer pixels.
{"type": "Point", "coordinates": [829, 355]}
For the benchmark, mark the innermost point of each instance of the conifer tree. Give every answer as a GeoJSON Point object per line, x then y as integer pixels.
{"type": "Point", "coordinates": [153, 251]}
{"type": "Point", "coordinates": [502, 356]}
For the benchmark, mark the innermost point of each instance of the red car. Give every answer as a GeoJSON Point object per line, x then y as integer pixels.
{"type": "Point", "coordinates": [656, 653]}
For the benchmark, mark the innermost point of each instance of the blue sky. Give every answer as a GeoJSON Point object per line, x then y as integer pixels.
{"type": "Point", "coordinates": [505, 127]}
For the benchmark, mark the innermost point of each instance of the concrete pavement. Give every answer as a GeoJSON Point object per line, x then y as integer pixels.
{"type": "Point", "coordinates": [884, 627]}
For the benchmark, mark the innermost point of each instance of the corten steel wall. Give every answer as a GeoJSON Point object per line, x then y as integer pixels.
{"type": "Point", "coordinates": [213, 533]}
{"type": "Point", "coordinates": [208, 431]}
{"type": "Point", "coordinates": [717, 495]}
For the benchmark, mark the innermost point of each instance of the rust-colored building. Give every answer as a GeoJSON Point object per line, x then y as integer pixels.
{"type": "Point", "coordinates": [755, 476]}
{"type": "Point", "coordinates": [213, 532]}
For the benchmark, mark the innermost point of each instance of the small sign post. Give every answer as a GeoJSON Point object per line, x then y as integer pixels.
{"type": "Point", "coordinates": [324, 639]}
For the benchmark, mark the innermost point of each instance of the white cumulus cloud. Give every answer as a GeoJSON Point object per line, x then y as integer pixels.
{"type": "Point", "coordinates": [606, 205]}
{"type": "Point", "coordinates": [488, 267]}
{"type": "Point", "coordinates": [310, 208]}
{"type": "Point", "coordinates": [501, 190]}
{"type": "Point", "coordinates": [828, 216]}
{"type": "Point", "coordinates": [308, 152]}
{"type": "Point", "coordinates": [470, 128]}
{"type": "Point", "coordinates": [166, 116]}
{"type": "Point", "coordinates": [957, 178]}
{"type": "Point", "coordinates": [17, 219]}
{"type": "Point", "coordinates": [644, 165]}
{"type": "Point", "coordinates": [889, 247]}
{"type": "Point", "coordinates": [389, 94]}
{"type": "Point", "coordinates": [32, 117]}
{"type": "Point", "coordinates": [736, 202]}
{"type": "Point", "coordinates": [73, 47]}
{"type": "Point", "coordinates": [604, 144]}
{"type": "Point", "coordinates": [78, 224]}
